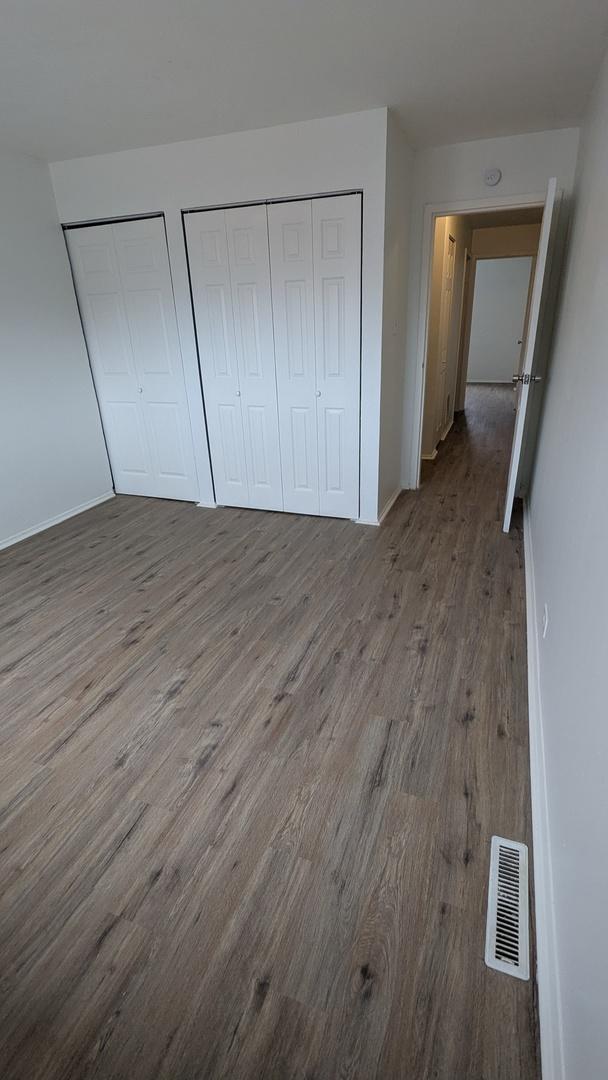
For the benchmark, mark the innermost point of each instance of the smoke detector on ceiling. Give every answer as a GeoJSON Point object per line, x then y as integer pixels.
{"type": "Point", "coordinates": [492, 177]}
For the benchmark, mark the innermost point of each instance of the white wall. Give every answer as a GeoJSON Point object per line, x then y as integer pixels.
{"type": "Point", "coordinates": [329, 155]}
{"type": "Point", "coordinates": [499, 309]}
{"type": "Point", "coordinates": [569, 530]}
{"type": "Point", "coordinates": [399, 160]}
{"type": "Point", "coordinates": [52, 453]}
{"type": "Point", "coordinates": [449, 178]}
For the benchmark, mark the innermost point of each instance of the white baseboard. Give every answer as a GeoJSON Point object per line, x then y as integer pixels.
{"type": "Point", "coordinates": [547, 971]}
{"type": "Point", "coordinates": [430, 457]}
{"type": "Point", "coordinates": [385, 509]}
{"type": "Point", "coordinates": [390, 502]}
{"type": "Point", "coordinates": [207, 505]}
{"type": "Point", "coordinates": [48, 524]}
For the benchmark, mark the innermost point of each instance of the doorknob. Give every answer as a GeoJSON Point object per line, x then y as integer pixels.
{"type": "Point", "coordinates": [520, 341]}
{"type": "Point", "coordinates": [318, 393]}
{"type": "Point", "coordinates": [238, 393]}
{"type": "Point", "coordinates": [140, 389]}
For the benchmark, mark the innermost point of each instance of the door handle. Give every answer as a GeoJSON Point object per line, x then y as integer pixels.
{"type": "Point", "coordinates": [140, 389]}
{"type": "Point", "coordinates": [526, 379]}
{"type": "Point", "coordinates": [238, 393]}
{"type": "Point", "coordinates": [317, 393]}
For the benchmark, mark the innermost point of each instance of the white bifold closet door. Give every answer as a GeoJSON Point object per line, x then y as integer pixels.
{"type": "Point", "coordinates": [336, 226]}
{"type": "Point", "coordinates": [281, 362]}
{"type": "Point", "coordinates": [230, 274]}
{"type": "Point", "coordinates": [123, 283]}
{"type": "Point", "coordinates": [315, 248]}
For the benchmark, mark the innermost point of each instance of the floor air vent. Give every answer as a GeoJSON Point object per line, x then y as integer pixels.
{"type": "Point", "coordinates": [507, 930]}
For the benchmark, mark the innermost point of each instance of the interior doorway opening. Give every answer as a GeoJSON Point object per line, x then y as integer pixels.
{"type": "Point", "coordinates": [439, 358]}
{"type": "Point", "coordinates": [482, 272]}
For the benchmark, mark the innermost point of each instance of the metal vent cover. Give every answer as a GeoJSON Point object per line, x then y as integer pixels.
{"type": "Point", "coordinates": [507, 927]}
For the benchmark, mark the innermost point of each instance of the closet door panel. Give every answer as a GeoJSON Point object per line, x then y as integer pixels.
{"type": "Point", "coordinates": [261, 464]}
{"type": "Point", "coordinates": [167, 441]}
{"type": "Point", "coordinates": [126, 436]}
{"type": "Point", "coordinates": [231, 462]}
{"type": "Point", "coordinates": [143, 262]}
{"type": "Point", "coordinates": [212, 296]}
{"type": "Point", "coordinates": [290, 233]}
{"type": "Point", "coordinates": [102, 308]}
{"type": "Point", "coordinates": [337, 292]}
{"type": "Point", "coordinates": [248, 257]}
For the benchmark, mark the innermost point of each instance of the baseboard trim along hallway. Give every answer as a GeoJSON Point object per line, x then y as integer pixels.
{"type": "Point", "coordinates": [547, 973]}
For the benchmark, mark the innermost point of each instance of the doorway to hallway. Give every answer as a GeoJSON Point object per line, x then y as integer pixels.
{"type": "Point", "coordinates": [482, 270]}
{"type": "Point", "coordinates": [501, 322]}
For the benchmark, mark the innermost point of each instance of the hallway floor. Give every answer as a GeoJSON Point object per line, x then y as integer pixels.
{"type": "Point", "coordinates": [250, 768]}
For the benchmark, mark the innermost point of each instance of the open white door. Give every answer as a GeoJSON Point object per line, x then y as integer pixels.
{"type": "Point", "coordinates": [534, 355]}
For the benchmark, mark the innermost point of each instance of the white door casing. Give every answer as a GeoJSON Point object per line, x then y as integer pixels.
{"type": "Point", "coordinates": [123, 282]}
{"type": "Point", "coordinates": [290, 234]}
{"type": "Point", "coordinates": [533, 362]}
{"type": "Point", "coordinates": [337, 302]}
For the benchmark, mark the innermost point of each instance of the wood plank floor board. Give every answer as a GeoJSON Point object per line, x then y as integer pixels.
{"type": "Point", "coordinates": [250, 767]}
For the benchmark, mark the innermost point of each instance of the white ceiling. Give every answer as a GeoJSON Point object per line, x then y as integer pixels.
{"type": "Point", "coordinates": [87, 76]}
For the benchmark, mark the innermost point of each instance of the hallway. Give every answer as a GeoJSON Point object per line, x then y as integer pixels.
{"type": "Point", "coordinates": [251, 765]}
{"type": "Point", "coordinates": [476, 452]}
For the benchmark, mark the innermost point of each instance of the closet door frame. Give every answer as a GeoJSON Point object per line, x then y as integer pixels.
{"type": "Point", "coordinates": [185, 213]}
